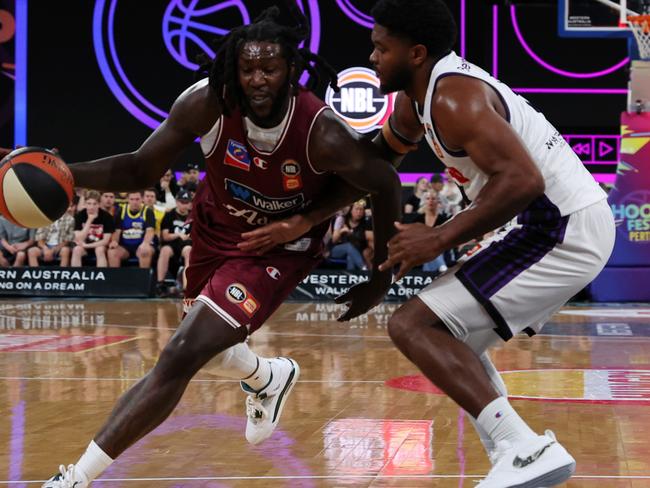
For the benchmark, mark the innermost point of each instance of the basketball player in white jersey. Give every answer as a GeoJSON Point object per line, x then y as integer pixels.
{"type": "Point", "coordinates": [518, 172]}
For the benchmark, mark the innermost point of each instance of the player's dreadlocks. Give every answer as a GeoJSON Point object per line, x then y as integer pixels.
{"type": "Point", "coordinates": [222, 70]}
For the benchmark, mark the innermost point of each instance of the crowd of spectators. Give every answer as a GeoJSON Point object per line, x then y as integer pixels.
{"type": "Point", "coordinates": [430, 201]}
{"type": "Point", "coordinates": [150, 229]}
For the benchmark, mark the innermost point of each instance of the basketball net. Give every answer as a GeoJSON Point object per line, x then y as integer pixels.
{"type": "Point", "coordinates": [640, 25]}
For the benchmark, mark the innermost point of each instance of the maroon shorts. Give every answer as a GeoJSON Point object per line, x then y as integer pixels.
{"type": "Point", "coordinates": [246, 290]}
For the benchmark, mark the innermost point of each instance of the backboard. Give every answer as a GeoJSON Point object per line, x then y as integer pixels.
{"type": "Point", "coordinates": [597, 18]}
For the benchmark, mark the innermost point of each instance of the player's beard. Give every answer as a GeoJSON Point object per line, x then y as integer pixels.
{"type": "Point", "coordinates": [400, 79]}
{"type": "Point", "coordinates": [274, 117]}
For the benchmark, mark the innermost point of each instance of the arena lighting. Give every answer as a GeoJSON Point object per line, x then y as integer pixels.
{"type": "Point", "coordinates": [20, 83]}
{"type": "Point", "coordinates": [412, 178]}
{"type": "Point", "coordinates": [355, 14]}
{"type": "Point", "coordinates": [561, 72]}
{"type": "Point", "coordinates": [115, 76]}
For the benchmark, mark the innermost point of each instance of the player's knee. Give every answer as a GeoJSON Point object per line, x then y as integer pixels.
{"type": "Point", "coordinates": [34, 252]}
{"type": "Point", "coordinates": [400, 325]}
{"type": "Point", "coordinates": [100, 251]}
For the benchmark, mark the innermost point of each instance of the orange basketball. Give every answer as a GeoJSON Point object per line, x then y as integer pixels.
{"type": "Point", "coordinates": [36, 187]}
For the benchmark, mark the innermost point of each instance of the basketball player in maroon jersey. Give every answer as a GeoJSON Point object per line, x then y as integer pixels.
{"type": "Point", "coordinates": [271, 150]}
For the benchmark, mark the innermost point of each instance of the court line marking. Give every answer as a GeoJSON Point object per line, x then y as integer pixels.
{"type": "Point", "coordinates": [333, 477]}
{"type": "Point", "coordinates": [196, 380]}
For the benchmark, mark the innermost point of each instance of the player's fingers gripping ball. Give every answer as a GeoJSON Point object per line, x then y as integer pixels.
{"type": "Point", "coordinates": [36, 187]}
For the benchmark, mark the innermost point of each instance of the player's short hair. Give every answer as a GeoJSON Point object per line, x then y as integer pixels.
{"type": "Point", "coordinates": [222, 70]}
{"type": "Point", "coordinates": [426, 22]}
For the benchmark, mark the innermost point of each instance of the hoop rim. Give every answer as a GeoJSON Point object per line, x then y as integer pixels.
{"type": "Point", "coordinates": [638, 19]}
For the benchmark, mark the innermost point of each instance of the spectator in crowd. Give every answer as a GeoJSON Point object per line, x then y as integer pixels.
{"type": "Point", "coordinates": [166, 188]}
{"type": "Point", "coordinates": [54, 240]}
{"type": "Point", "coordinates": [433, 216]}
{"type": "Point", "coordinates": [134, 233]}
{"type": "Point", "coordinates": [175, 238]}
{"type": "Point", "coordinates": [159, 211]}
{"type": "Point", "coordinates": [120, 200]}
{"type": "Point", "coordinates": [15, 241]}
{"type": "Point", "coordinates": [107, 202]}
{"type": "Point", "coordinates": [350, 237]}
{"type": "Point", "coordinates": [190, 178]}
{"type": "Point", "coordinates": [414, 202]}
{"type": "Point", "coordinates": [80, 198]}
{"type": "Point", "coordinates": [93, 228]}
{"type": "Point", "coordinates": [451, 195]}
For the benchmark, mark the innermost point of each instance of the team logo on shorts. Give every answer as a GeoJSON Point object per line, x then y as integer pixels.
{"type": "Point", "coordinates": [273, 272]}
{"type": "Point", "coordinates": [360, 102]}
{"type": "Point", "coordinates": [237, 294]}
{"type": "Point", "coordinates": [291, 179]}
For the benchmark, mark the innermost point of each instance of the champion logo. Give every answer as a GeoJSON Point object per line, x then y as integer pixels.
{"type": "Point", "coordinates": [274, 273]}
{"type": "Point", "coordinates": [498, 415]}
{"type": "Point", "coordinates": [260, 163]}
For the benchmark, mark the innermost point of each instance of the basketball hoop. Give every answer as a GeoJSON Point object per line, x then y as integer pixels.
{"type": "Point", "coordinates": [640, 25]}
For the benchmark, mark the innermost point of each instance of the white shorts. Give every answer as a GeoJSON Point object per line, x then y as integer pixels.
{"type": "Point", "coordinates": [519, 278]}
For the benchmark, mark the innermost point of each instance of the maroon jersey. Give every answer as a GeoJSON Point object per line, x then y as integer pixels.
{"type": "Point", "coordinates": [245, 187]}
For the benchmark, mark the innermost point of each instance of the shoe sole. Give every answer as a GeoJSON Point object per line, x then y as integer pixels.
{"type": "Point", "coordinates": [286, 391]}
{"type": "Point", "coordinates": [550, 479]}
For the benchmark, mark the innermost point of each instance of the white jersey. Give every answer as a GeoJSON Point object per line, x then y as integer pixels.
{"type": "Point", "coordinates": [569, 186]}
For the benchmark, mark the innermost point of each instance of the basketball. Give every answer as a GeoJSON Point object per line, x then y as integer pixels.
{"type": "Point", "coordinates": [36, 187]}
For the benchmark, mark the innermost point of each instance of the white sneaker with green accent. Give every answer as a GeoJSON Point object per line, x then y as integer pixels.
{"type": "Point", "coordinates": [540, 462]}
{"type": "Point", "coordinates": [69, 477]}
{"type": "Point", "coordinates": [264, 407]}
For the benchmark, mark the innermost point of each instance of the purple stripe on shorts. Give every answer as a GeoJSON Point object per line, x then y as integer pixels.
{"type": "Point", "coordinates": [489, 271]}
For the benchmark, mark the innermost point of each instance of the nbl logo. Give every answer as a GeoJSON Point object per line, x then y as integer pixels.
{"type": "Point", "coordinates": [360, 102]}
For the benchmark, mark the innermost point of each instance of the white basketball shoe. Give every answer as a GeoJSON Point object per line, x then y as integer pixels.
{"type": "Point", "coordinates": [69, 477]}
{"type": "Point", "coordinates": [264, 407]}
{"type": "Point", "coordinates": [540, 462]}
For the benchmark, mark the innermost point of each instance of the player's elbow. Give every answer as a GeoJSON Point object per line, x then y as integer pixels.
{"type": "Point", "coordinates": [536, 185]}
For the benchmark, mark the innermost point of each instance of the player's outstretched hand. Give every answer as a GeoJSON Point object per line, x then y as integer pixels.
{"type": "Point", "coordinates": [413, 244]}
{"type": "Point", "coordinates": [364, 296]}
{"type": "Point", "coordinates": [265, 238]}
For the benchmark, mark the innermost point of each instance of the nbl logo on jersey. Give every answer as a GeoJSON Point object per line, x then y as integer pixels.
{"type": "Point", "coordinates": [360, 102]}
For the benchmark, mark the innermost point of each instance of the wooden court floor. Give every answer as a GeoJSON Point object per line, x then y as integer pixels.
{"type": "Point", "coordinates": [360, 416]}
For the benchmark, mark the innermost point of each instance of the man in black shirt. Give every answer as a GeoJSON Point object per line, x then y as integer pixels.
{"type": "Point", "coordinates": [175, 236]}
{"type": "Point", "coordinates": [93, 228]}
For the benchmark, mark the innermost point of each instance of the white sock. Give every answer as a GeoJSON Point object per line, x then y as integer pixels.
{"type": "Point", "coordinates": [93, 462]}
{"type": "Point", "coordinates": [500, 421]}
{"type": "Point", "coordinates": [500, 387]}
{"type": "Point", "coordinates": [261, 377]}
{"type": "Point", "coordinates": [240, 363]}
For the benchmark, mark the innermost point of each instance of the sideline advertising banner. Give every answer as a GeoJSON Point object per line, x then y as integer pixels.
{"type": "Point", "coordinates": [76, 282]}
{"type": "Point", "coordinates": [325, 285]}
